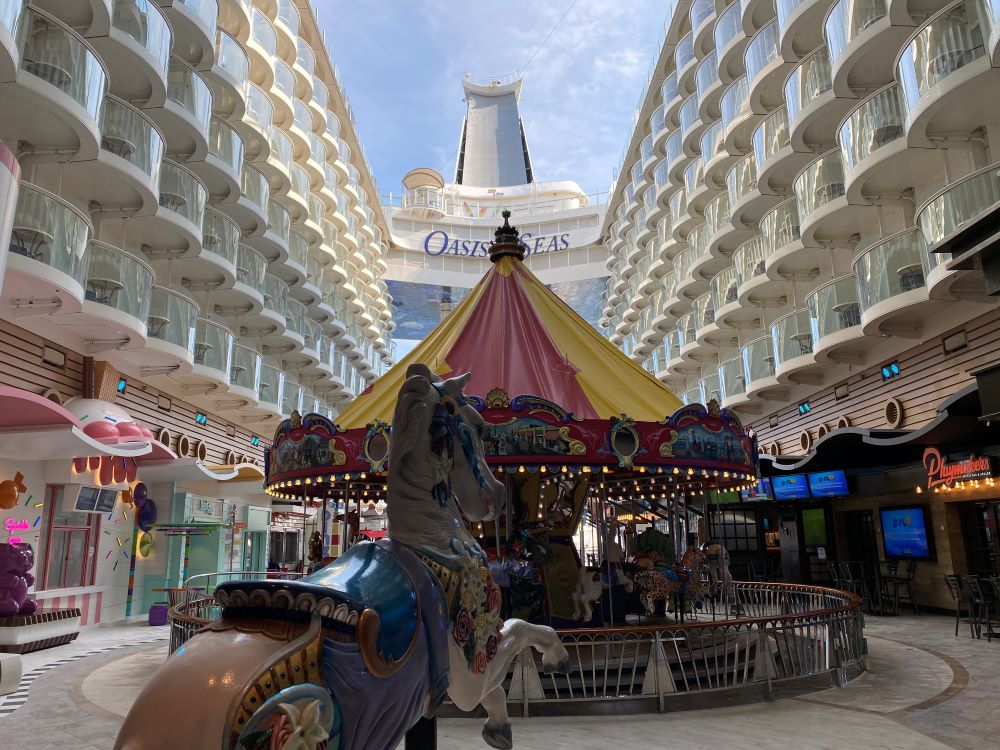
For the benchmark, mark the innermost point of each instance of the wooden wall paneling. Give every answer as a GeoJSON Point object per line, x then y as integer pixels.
{"type": "Point", "coordinates": [21, 364]}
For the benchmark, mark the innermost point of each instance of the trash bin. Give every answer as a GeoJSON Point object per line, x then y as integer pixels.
{"type": "Point", "coordinates": [158, 614]}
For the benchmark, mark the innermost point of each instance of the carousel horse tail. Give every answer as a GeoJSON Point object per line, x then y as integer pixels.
{"type": "Point", "coordinates": [359, 647]}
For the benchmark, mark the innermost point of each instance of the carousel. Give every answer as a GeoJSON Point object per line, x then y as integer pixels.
{"type": "Point", "coordinates": [607, 474]}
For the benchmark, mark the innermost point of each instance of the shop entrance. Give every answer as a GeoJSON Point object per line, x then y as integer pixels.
{"type": "Point", "coordinates": [980, 522]}
{"type": "Point", "coordinates": [255, 551]}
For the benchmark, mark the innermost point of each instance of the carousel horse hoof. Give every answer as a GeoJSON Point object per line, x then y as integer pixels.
{"type": "Point", "coordinates": [499, 737]}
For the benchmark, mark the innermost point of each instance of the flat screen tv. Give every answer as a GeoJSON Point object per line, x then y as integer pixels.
{"type": "Point", "coordinates": [790, 487]}
{"type": "Point", "coordinates": [828, 484]}
{"type": "Point", "coordinates": [760, 491]}
{"type": "Point", "coordinates": [906, 533]}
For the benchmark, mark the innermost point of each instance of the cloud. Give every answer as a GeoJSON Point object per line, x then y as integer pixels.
{"type": "Point", "coordinates": [402, 62]}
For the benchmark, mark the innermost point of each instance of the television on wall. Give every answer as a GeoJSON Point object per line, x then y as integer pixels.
{"type": "Point", "coordinates": [906, 533]}
{"type": "Point", "coordinates": [828, 484]}
{"type": "Point", "coordinates": [790, 487]}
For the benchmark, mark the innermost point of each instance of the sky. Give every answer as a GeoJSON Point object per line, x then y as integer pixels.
{"type": "Point", "coordinates": [401, 62]}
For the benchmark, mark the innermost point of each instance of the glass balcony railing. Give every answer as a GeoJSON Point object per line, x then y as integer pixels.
{"type": "Point", "coordinates": [689, 114]}
{"type": "Point", "coordinates": [225, 144]}
{"type": "Point", "coordinates": [890, 267]}
{"type": "Point", "coordinates": [678, 203]}
{"type": "Point", "coordinates": [56, 54]}
{"type": "Point", "coordinates": [672, 345]}
{"type": "Point", "coordinates": [221, 235]}
{"type": "Point", "coordinates": [686, 332]}
{"type": "Point", "coordinates": [663, 231]}
{"type": "Point", "coordinates": [636, 176]}
{"type": "Point", "coordinates": [847, 20]}
{"type": "Point", "coordinates": [716, 215]}
{"type": "Point", "coordinates": [661, 177]}
{"type": "Point", "coordinates": [961, 201]}
{"type": "Point", "coordinates": [118, 279]}
{"type": "Point", "coordinates": [312, 334]}
{"type": "Point", "coordinates": [750, 259]}
{"type": "Point", "coordinates": [669, 90]}
{"type": "Point", "coordinates": [691, 395]}
{"type": "Point", "coordinates": [291, 397]}
{"type": "Point", "coordinates": [694, 176]}
{"type": "Point", "coordinates": [230, 57]}
{"type": "Point", "coordinates": [710, 389]}
{"type": "Point", "coordinates": [250, 267]}
{"type": "Point", "coordinates": [304, 56]}
{"type": "Point", "coordinates": [10, 14]}
{"type": "Point", "coordinates": [707, 75]}
{"type": "Point", "coordinates": [683, 262]}
{"type": "Point", "coordinates": [246, 368]}
{"type": "Point", "coordinates": [272, 382]}
{"type": "Point", "coordinates": [51, 231]}
{"type": "Point", "coordinates": [327, 352]}
{"type": "Point", "coordinates": [182, 192]}
{"type": "Point", "coordinates": [741, 180]}
{"type": "Point", "coordinates": [874, 123]}
{"type": "Point", "coordinates": [701, 12]}
{"type": "Point", "coordinates": [255, 186]}
{"type": "Point", "coordinates": [669, 282]}
{"type": "Point", "coordinates": [810, 79]}
{"type": "Point", "coordinates": [725, 288]}
{"type": "Point", "coordinates": [713, 142]}
{"type": "Point", "coordinates": [282, 150]}
{"type": "Point", "coordinates": [819, 183]}
{"type": "Point", "coordinates": [947, 43]}
{"type": "Point", "coordinates": [646, 149]}
{"type": "Point", "coordinates": [704, 312]}
{"type": "Point", "coordinates": [275, 294]}
{"type": "Point", "coordinates": [262, 32]}
{"type": "Point", "coordinates": [321, 97]}
{"type": "Point", "coordinates": [187, 88]}
{"type": "Point", "coordinates": [300, 181]}
{"type": "Point", "coordinates": [780, 226]}
{"type": "Point", "coordinates": [735, 101]}
{"type": "Point", "coordinates": [130, 135]}
{"type": "Point", "coordinates": [298, 249]}
{"type": "Point", "coordinates": [675, 147]}
{"type": "Point", "coordinates": [758, 359]}
{"type": "Point", "coordinates": [288, 14]}
{"type": "Point", "coordinates": [732, 378]}
{"type": "Point", "coordinates": [834, 307]}
{"type": "Point", "coordinates": [260, 111]}
{"type": "Point", "coordinates": [171, 318]}
{"type": "Point", "coordinates": [684, 51]}
{"type": "Point", "coordinates": [656, 121]}
{"type": "Point", "coordinates": [729, 26]}
{"type": "Point", "coordinates": [284, 80]}
{"type": "Point", "coordinates": [144, 22]}
{"type": "Point", "coordinates": [213, 347]}
{"type": "Point", "coordinates": [317, 151]}
{"type": "Point", "coordinates": [771, 136]}
{"type": "Point", "coordinates": [792, 337]}
{"type": "Point", "coordinates": [207, 12]}
{"type": "Point", "coordinates": [762, 49]}
{"type": "Point", "coordinates": [314, 271]}
{"type": "Point", "coordinates": [278, 220]}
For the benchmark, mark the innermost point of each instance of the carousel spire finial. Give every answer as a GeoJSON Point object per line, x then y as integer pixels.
{"type": "Point", "coordinates": [506, 241]}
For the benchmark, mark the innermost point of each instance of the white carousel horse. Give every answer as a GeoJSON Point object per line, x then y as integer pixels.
{"type": "Point", "coordinates": [353, 655]}
{"type": "Point", "coordinates": [588, 590]}
{"type": "Point", "coordinates": [717, 562]}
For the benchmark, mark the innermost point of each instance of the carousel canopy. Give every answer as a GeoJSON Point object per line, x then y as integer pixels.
{"type": "Point", "coordinates": [514, 333]}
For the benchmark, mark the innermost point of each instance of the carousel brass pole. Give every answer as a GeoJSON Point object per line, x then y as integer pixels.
{"type": "Point", "coordinates": [347, 525]}
{"type": "Point", "coordinates": [611, 586]}
{"type": "Point", "coordinates": [305, 540]}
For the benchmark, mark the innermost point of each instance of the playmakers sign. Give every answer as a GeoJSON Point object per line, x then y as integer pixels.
{"type": "Point", "coordinates": [439, 243]}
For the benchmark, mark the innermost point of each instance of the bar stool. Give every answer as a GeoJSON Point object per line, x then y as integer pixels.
{"type": "Point", "coordinates": [980, 608]}
{"type": "Point", "coordinates": [957, 591]}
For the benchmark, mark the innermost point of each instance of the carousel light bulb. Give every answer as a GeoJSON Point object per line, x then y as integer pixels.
{"type": "Point", "coordinates": [308, 481]}
{"type": "Point", "coordinates": [724, 474]}
{"type": "Point", "coordinates": [676, 470]}
{"type": "Point", "coordinates": [565, 469]}
{"type": "Point", "coordinates": [520, 469]}
{"type": "Point", "coordinates": [543, 468]}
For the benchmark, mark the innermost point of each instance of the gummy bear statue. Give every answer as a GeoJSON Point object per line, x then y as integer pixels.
{"type": "Point", "coordinates": [16, 560]}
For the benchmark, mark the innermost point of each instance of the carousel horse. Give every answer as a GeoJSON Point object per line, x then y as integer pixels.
{"type": "Point", "coordinates": [352, 656]}
{"type": "Point", "coordinates": [717, 562]}
{"type": "Point", "coordinates": [588, 590]}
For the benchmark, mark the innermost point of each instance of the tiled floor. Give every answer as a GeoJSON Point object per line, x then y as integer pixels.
{"type": "Point", "coordinates": [926, 689]}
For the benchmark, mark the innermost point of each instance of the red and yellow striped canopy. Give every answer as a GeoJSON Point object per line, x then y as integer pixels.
{"type": "Point", "coordinates": [512, 332]}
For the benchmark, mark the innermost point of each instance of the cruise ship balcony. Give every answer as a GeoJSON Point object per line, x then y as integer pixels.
{"type": "Point", "coordinates": [178, 226]}
{"type": "Point", "coordinates": [709, 87]}
{"type": "Point", "coordinates": [283, 98]}
{"type": "Point", "coordinates": [685, 63]}
{"type": "Point", "coordinates": [54, 99]}
{"type": "Point", "coordinates": [732, 382]}
{"type": "Point", "coordinates": [194, 23]}
{"type": "Point", "coordinates": [273, 243]}
{"type": "Point", "coordinates": [946, 76]}
{"type": "Point", "coordinates": [244, 379]}
{"type": "Point", "coordinates": [800, 26]}
{"type": "Point", "coordinates": [10, 15]}
{"type": "Point", "coordinates": [835, 314]}
{"type": "Point", "coordinates": [758, 365]}
{"type": "Point", "coordinates": [185, 116]}
{"type": "Point", "coordinates": [222, 167]}
{"type": "Point", "coordinates": [786, 257]}
{"type": "Point", "coordinates": [256, 126]}
{"type": "Point", "coordinates": [738, 119]}
{"type": "Point", "coordinates": [214, 267]}
{"type": "Point", "coordinates": [710, 389]}
{"type": "Point", "coordinates": [707, 331]}
{"type": "Point", "coordinates": [892, 289]}
{"type": "Point", "coordinates": [135, 48]}
{"type": "Point", "coordinates": [305, 68]}
{"type": "Point", "coordinates": [286, 24]}
{"type": "Point", "coordinates": [858, 33]}
{"type": "Point", "coordinates": [812, 107]}
{"type": "Point", "coordinates": [270, 395]}
{"type": "Point", "coordinates": [691, 126]}
{"type": "Point", "coordinates": [262, 49]}
{"type": "Point", "coordinates": [270, 320]}
{"type": "Point", "coordinates": [47, 261]}
{"type": "Point", "coordinates": [776, 161]}
{"type": "Point", "coordinates": [746, 203]}
{"type": "Point", "coordinates": [170, 341]}
{"type": "Point", "coordinates": [765, 68]}
{"type": "Point", "coordinates": [821, 203]}
{"type": "Point", "coordinates": [658, 129]}
{"type": "Point", "coordinates": [702, 18]}
{"type": "Point", "coordinates": [676, 159]}
{"type": "Point", "coordinates": [691, 349]}
{"type": "Point", "coordinates": [947, 212]}
{"type": "Point", "coordinates": [126, 172]}
{"type": "Point", "coordinates": [246, 296]}
{"type": "Point", "coordinates": [235, 16]}
{"type": "Point", "coordinates": [756, 288]}
{"type": "Point", "coordinates": [730, 41]}
{"type": "Point", "coordinates": [248, 205]}
{"type": "Point", "coordinates": [792, 337]}
{"type": "Point", "coordinates": [729, 313]}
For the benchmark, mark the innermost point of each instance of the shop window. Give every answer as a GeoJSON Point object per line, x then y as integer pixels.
{"type": "Point", "coordinates": [67, 546]}
{"type": "Point", "coordinates": [285, 547]}
{"type": "Point", "coordinates": [735, 529]}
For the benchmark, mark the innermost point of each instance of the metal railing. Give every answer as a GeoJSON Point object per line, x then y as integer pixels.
{"type": "Point", "coordinates": [757, 636]}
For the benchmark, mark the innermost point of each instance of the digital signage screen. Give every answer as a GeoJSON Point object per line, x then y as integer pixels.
{"type": "Point", "coordinates": [828, 484]}
{"type": "Point", "coordinates": [790, 487]}
{"type": "Point", "coordinates": [760, 491]}
{"type": "Point", "coordinates": [906, 533]}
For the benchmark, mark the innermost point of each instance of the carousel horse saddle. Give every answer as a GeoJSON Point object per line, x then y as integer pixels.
{"type": "Point", "coordinates": [369, 575]}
